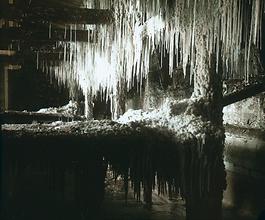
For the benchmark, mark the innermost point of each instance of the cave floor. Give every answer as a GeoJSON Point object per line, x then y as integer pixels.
{"type": "Point", "coordinates": [115, 208]}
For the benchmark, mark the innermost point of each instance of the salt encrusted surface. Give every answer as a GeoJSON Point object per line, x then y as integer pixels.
{"type": "Point", "coordinates": [78, 128]}
{"type": "Point", "coordinates": [68, 110]}
{"type": "Point", "coordinates": [173, 118]}
{"type": "Point", "coordinates": [170, 149]}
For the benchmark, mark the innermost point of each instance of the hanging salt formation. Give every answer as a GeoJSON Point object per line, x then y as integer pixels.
{"type": "Point", "coordinates": [116, 54]}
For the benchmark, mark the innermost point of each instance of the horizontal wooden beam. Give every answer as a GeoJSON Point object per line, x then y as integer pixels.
{"type": "Point", "coordinates": [245, 93]}
{"type": "Point", "coordinates": [49, 3]}
{"type": "Point", "coordinates": [7, 53]}
{"type": "Point", "coordinates": [20, 57]}
{"type": "Point", "coordinates": [13, 67]}
{"type": "Point", "coordinates": [17, 117]}
{"type": "Point", "coordinates": [65, 15]}
{"type": "Point", "coordinates": [56, 34]}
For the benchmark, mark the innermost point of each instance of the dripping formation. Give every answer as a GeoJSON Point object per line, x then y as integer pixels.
{"type": "Point", "coordinates": [156, 151]}
{"type": "Point", "coordinates": [118, 53]}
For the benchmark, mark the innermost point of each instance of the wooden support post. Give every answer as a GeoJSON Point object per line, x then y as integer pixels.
{"type": "Point", "coordinates": [88, 106]}
{"type": "Point", "coordinates": [119, 100]}
{"type": "Point", "coordinates": [2, 88]}
{"type": "Point", "coordinates": [148, 176]}
{"type": "Point", "coordinates": [205, 182]}
{"type": "Point", "coordinates": [126, 186]}
{"type": "Point", "coordinates": [5, 66]}
{"type": "Point", "coordinates": [152, 85]}
{"type": "Point", "coordinates": [6, 93]}
{"type": "Point", "coordinates": [6, 88]}
{"type": "Point", "coordinates": [148, 192]}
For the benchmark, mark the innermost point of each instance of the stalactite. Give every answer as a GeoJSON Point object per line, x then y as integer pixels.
{"type": "Point", "coordinates": [193, 170]}
{"type": "Point", "coordinates": [122, 50]}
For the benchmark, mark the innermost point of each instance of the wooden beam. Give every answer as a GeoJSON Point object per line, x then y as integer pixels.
{"type": "Point", "coordinates": [13, 67]}
{"type": "Point", "coordinates": [245, 93]}
{"type": "Point", "coordinates": [17, 117]}
{"type": "Point", "coordinates": [7, 53]}
{"type": "Point", "coordinates": [56, 34]}
{"type": "Point", "coordinates": [65, 15]}
{"type": "Point", "coordinates": [20, 57]}
{"type": "Point", "coordinates": [6, 89]}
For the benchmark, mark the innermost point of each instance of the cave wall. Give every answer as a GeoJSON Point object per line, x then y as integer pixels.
{"type": "Point", "coordinates": [244, 156]}
{"type": "Point", "coordinates": [249, 113]}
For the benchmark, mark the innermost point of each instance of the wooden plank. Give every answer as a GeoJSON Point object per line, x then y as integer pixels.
{"type": "Point", "coordinates": [245, 93]}
{"type": "Point", "coordinates": [56, 34]}
{"type": "Point", "coordinates": [13, 67]}
{"type": "Point", "coordinates": [19, 58]}
{"type": "Point", "coordinates": [65, 15]}
{"type": "Point", "coordinates": [6, 89]}
{"type": "Point", "coordinates": [7, 52]}
{"type": "Point", "coordinates": [18, 117]}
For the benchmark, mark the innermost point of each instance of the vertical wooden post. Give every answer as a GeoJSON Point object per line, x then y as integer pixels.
{"type": "Point", "coordinates": [2, 88]}
{"type": "Point", "coordinates": [152, 91]}
{"type": "Point", "coordinates": [205, 175]}
{"type": "Point", "coordinates": [148, 176]}
{"type": "Point", "coordinates": [6, 104]}
{"type": "Point", "coordinates": [5, 77]}
{"type": "Point", "coordinates": [119, 100]}
{"type": "Point", "coordinates": [88, 106]}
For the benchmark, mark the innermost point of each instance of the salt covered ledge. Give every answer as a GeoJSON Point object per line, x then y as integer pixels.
{"type": "Point", "coordinates": [171, 149]}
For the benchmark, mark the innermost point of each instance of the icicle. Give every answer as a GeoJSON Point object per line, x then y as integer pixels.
{"type": "Point", "coordinates": [121, 50]}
